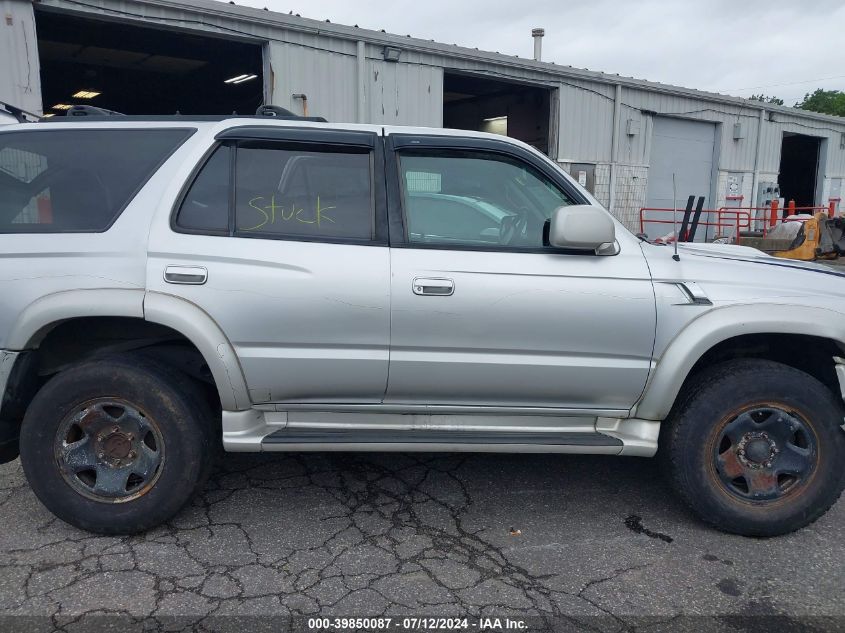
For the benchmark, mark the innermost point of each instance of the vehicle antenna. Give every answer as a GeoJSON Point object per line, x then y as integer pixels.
{"type": "Point", "coordinates": [676, 257]}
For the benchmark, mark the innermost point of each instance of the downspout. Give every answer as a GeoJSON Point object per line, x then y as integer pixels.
{"type": "Point", "coordinates": [362, 69]}
{"type": "Point", "coordinates": [755, 182]}
{"type": "Point", "coordinates": [614, 147]}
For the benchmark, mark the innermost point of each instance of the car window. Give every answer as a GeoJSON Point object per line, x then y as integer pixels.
{"type": "Point", "coordinates": [206, 205]}
{"type": "Point", "coordinates": [304, 194]}
{"type": "Point", "coordinates": [476, 199]}
{"type": "Point", "coordinates": [76, 180]}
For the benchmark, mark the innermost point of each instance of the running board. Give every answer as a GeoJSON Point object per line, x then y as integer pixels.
{"type": "Point", "coordinates": [260, 430]}
{"type": "Point", "coordinates": [302, 439]}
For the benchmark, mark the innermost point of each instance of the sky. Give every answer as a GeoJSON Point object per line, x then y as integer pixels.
{"type": "Point", "coordinates": [784, 48]}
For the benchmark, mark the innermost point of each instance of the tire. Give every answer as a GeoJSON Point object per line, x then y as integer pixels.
{"type": "Point", "coordinates": [118, 445]}
{"type": "Point", "coordinates": [755, 448]}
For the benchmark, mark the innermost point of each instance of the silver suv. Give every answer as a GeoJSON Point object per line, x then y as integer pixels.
{"type": "Point", "coordinates": [171, 284]}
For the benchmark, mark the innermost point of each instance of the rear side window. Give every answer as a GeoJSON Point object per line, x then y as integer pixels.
{"type": "Point", "coordinates": [76, 180]}
{"type": "Point", "coordinates": [304, 194]}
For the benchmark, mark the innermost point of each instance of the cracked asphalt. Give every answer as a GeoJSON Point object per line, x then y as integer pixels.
{"type": "Point", "coordinates": [598, 543]}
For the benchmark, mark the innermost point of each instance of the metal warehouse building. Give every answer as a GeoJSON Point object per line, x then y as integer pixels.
{"type": "Point", "coordinates": [623, 138]}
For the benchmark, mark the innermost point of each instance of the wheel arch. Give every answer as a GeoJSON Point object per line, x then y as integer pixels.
{"type": "Point", "coordinates": [45, 314]}
{"type": "Point", "coordinates": [728, 325]}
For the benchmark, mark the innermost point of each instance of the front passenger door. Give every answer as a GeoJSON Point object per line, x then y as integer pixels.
{"type": "Point", "coordinates": [482, 314]}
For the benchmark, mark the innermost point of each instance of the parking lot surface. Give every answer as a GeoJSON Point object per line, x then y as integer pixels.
{"type": "Point", "coordinates": [591, 542]}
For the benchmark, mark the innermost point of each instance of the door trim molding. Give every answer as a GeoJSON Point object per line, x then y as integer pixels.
{"type": "Point", "coordinates": [441, 409]}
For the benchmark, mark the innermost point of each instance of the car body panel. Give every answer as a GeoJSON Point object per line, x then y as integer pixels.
{"type": "Point", "coordinates": [749, 292]}
{"type": "Point", "coordinates": [521, 329]}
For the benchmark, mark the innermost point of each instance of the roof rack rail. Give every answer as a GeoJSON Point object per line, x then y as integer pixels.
{"type": "Point", "coordinates": [93, 113]}
{"type": "Point", "coordinates": [273, 110]}
{"type": "Point", "coordinates": [284, 113]}
{"type": "Point", "coordinates": [19, 113]}
{"type": "Point", "coordinates": [87, 110]}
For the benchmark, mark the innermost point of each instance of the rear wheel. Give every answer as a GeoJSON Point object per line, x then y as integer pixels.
{"type": "Point", "coordinates": [756, 448]}
{"type": "Point", "coordinates": [118, 445]}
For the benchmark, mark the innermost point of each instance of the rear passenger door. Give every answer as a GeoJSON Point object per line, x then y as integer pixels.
{"type": "Point", "coordinates": [281, 239]}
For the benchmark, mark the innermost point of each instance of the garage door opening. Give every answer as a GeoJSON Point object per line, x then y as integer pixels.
{"type": "Point", "coordinates": [799, 168]}
{"type": "Point", "coordinates": [142, 70]}
{"type": "Point", "coordinates": [517, 110]}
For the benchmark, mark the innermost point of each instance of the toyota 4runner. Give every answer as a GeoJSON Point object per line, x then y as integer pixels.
{"type": "Point", "coordinates": [171, 284]}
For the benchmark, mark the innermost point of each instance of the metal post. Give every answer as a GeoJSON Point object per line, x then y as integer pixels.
{"type": "Point", "coordinates": [538, 34]}
{"type": "Point", "coordinates": [361, 113]}
{"type": "Point", "coordinates": [755, 183]}
{"type": "Point", "coordinates": [614, 147]}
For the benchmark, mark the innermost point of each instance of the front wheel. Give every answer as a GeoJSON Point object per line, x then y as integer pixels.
{"type": "Point", "coordinates": [756, 448]}
{"type": "Point", "coordinates": [118, 445]}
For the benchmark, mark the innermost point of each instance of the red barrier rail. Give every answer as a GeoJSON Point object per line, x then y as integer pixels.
{"type": "Point", "coordinates": [725, 219]}
{"type": "Point", "coordinates": [763, 219]}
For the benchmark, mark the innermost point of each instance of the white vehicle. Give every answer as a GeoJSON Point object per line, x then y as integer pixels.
{"type": "Point", "coordinates": [171, 284]}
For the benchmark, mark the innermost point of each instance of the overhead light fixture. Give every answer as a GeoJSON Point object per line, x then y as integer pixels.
{"type": "Point", "coordinates": [86, 94]}
{"type": "Point", "coordinates": [61, 106]}
{"type": "Point", "coordinates": [391, 53]}
{"type": "Point", "coordinates": [48, 115]}
{"type": "Point", "coordinates": [496, 118]}
{"type": "Point", "coordinates": [239, 79]}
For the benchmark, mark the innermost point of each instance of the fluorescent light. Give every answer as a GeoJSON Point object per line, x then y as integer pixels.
{"type": "Point", "coordinates": [245, 78]}
{"type": "Point", "coordinates": [232, 80]}
{"type": "Point", "coordinates": [61, 106]}
{"type": "Point", "coordinates": [48, 115]}
{"type": "Point", "coordinates": [496, 118]}
{"type": "Point", "coordinates": [86, 94]}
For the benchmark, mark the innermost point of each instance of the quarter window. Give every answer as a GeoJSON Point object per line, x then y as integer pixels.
{"type": "Point", "coordinates": [55, 181]}
{"type": "Point", "coordinates": [206, 205]}
{"type": "Point", "coordinates": [476, 199]}
{"type": "Point", "coordinates": [301, 194]}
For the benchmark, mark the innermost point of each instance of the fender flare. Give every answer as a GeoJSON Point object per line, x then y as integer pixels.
{"type": "Point", "coordinates": [718, 325]}
{"type": "Point", "coordinates": [43, 314]}
{"type": "Point", "coordinates": [198, 327]}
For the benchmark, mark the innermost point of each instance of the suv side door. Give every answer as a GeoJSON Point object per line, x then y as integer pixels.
{"type": "Point", "coordinates": [281, 238]}
{"type": "Point", "coordinates": [483, 314]}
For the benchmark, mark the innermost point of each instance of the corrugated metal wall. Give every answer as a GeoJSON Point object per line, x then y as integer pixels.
{"type": "Point", "coordinates": [403, 94]}
{"type": "Point", "coordinates": [329, 80]}
{"type": "Point", "coordinates": [586, 122]}
{"type": "Point", "coordinates": [20, 74]}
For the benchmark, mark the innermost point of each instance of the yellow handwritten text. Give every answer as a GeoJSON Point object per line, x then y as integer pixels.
{"type": "Point", "coordinates": [272, 214]}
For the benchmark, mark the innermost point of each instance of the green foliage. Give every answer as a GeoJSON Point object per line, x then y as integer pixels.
{"type": "Point", "coordinates": [767, 99]}
{"type": "Point", "coordinates": [824, 101]}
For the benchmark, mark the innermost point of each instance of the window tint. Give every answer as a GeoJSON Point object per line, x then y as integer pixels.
{"type": "Point", "coordinates": [295, 193]}
{"type": "Point", "coordinates": [76, 180]}
{"type": "Point", "coordinates": [476, 199]}
{"type": "Point", "coordinates": [206, 205]}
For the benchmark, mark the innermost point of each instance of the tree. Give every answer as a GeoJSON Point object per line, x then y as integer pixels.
{"type": "Point", "coordinates": [824, 101]}
{"type": "Point", "coordinates": [767, 99]}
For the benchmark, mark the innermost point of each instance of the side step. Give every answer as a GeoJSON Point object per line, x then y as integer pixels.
{"type": "Point", "coordinates": [337, 439]}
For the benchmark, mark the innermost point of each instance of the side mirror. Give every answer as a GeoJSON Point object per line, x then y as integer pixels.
{"type": "Point", "coordinates": [581, 227]}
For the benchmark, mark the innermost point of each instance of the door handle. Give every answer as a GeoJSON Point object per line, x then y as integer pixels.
{"type": "Point", "coordinates": [433, 286]}
{"type": "Point", "coordinates": [188, 275]}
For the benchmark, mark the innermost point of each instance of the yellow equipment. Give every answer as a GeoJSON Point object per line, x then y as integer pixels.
{"type": "Point", "coordinates": [804, 237]}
